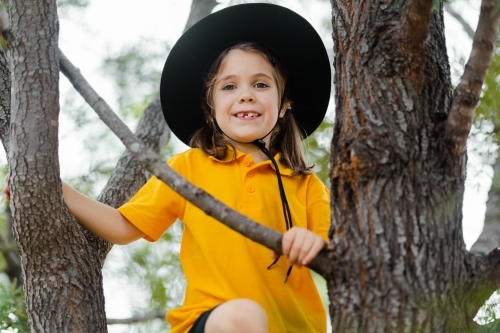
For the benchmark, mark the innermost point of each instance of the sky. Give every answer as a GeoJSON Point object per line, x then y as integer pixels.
{"type": "Point", "coordinates": [106, 27]}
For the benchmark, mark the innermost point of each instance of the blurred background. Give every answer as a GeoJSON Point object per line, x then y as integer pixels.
{"type": "Point", "coordinates": [120, 46]}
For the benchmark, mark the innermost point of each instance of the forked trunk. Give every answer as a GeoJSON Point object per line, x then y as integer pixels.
{"type": "Point", "coordinates": [400, 258]}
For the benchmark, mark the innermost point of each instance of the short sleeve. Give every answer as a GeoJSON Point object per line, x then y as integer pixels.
{"type": "Point", "coordinates": [155, 206]}
{"type": "Point", "coordinates": [318, 207]}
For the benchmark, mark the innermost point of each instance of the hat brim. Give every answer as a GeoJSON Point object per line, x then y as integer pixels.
{"type": "Point", "coordinates": [287, 35]}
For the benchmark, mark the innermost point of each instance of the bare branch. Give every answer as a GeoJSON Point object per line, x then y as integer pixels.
{"type": "Point", "coordinates": [486, 272]}
{"type": "Point", "coordinates": [152, 162]}
{"type": "Point", "coordinates": [467, 28]}
{"type": "Point", "coordinates": [199, 9]}
{"type": "Point", "coordinates": [128, 175]}
{"type": "Point", "coordinates": [490, 236]}
{"type": "Point", "coordinates": [467, 93]}
{"type": "Point", "coordinates": [417, 18]}
{"type": "Point", "coordinates": [138, 319]}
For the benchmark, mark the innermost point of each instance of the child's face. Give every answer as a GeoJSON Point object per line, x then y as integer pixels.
{"type": "Point", "coordinates": [245, 97]}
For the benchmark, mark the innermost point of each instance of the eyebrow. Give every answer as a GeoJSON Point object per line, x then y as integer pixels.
{"type": "Point", "coordinates": [230, 76]}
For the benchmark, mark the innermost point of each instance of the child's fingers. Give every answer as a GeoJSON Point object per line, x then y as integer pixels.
{"type": "Point", "coordinates": [317, 246]}
{"type": "Point", "coordinates": [297, 246]}
{"type": "Point", "coordinates": [306, 248]}
{"type": "Point", "coordinates": [287, 241]}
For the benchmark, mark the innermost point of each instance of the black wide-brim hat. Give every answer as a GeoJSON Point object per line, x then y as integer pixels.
{"type": "Point", "coordinates": [287, 35]}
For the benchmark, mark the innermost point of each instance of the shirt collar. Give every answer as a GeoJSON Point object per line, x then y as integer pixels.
{"type": "Point", "coordinates": [230, 157]}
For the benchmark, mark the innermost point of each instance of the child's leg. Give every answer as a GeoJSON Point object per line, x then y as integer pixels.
{"type": "Point", "coordinates": [239, 315]}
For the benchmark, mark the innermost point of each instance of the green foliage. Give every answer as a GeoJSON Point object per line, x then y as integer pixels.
{"type": "Point", "coordinates": [487, 316]}
{"type": "Point", "coordinates": [153, 269]}
{"type": "Point", "coordinates": [136, 71]}
{"type": "Point", "coordinates": [12, 309]}
{"type": "Point", "coordinates": [487, 116]}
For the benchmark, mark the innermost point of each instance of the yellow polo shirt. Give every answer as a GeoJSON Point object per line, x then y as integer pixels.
{"type": "Point", "coordinates": [220, 264]}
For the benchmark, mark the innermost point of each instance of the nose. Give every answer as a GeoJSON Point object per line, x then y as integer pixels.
{"type": "Point", "coordinates": [246, 95]}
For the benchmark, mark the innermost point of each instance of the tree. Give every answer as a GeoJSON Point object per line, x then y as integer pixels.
{"type": "Point", "coordinates": [398, 171]}
{"type": "Point", "coordinates": [396, 260]}
{"type": "Point", "coordinates": [152, 130]}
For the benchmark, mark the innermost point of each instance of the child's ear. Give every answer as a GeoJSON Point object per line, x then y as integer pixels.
{"type": "Point", "coordinates": [284, 110]}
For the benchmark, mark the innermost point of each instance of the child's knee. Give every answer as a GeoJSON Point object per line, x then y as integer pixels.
{"type": "Point", "coordinates": [240, 315]}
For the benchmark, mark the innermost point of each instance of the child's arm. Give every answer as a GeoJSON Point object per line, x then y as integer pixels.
{"type": "Point", "coordinates": [301, 245]}
{"type": "Point", "coordinates": [100, 219]}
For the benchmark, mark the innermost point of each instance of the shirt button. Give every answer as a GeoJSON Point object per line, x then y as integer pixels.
{"type": "Point", "coordinates": [246, 163]}
{"type": "Point", "coordinates": [251, 189]}
{"type": "Point", "coordinates": [251, 174]}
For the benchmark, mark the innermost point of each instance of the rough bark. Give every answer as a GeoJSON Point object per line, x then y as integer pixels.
{"type": "Point", "coordinates": [397, 181]}
{"type": "Point", "coordinates": [62, 280]}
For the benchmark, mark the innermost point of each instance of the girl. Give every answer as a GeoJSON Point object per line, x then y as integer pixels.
{"type": "Point", "coordinates": [242, 87]}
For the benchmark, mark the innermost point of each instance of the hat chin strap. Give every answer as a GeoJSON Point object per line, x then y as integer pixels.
{"type": "Point", "coordinates": [284, 202]}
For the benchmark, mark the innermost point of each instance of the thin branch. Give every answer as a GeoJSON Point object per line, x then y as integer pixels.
{"type": "Point", "coordinates": [128, 175]}
{"type": "Point", "coordinates": [467, 28]}
{"type": "Point", "coordinates": [467, 93]}
{"type": "Point", "coordinates": [487, 280]}
{"type": "Point", "coordinates": [199, 9]}
{"type": "Point", "coordinates": [138, 319]}
{"type": "Point", "coordinates": [489, 239]}
{"type": "Point", "coordinates": [416, 20]}
{"type": "Point", "coordinates": [152, 162]}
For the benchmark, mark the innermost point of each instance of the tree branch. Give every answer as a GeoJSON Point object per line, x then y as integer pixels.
{"type": "Point", "coordinates": [138, 319]}
{"type": "Point", "coordinates": [199, 9]}
{"type": "Point", "coordinates": [490, 236]}
{"type": "Point", "coordinates": [467, 93]}
{"type": "Point", "coordinates": [487, 280]}
{"type": "Point", "coordinates": [128, 175]}
{"type": "Point", "coordinates": [467, 28]}
{"type": "Point", "coordinates": [416, 20]}
{"type": "Point", "coordinates": [152, 162]}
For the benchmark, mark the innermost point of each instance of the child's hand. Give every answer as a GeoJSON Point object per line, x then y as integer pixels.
{"type": "Point", "coordinates": [300, 246]}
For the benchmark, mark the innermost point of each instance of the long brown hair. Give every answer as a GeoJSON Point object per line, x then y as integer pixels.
{"type": "Point", "coordinates": [285, 138]}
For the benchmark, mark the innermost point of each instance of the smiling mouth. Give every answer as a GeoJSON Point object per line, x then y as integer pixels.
{"type": "Point", "coordinates": [247, 115]}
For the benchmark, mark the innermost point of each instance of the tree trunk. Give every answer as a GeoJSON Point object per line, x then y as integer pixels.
{"type": "Point", "coordinates": [61, 260]}
{"type": "Point", "coordinates": [62, 278]}
{"type": "Point", "coordinates": [397, 183]}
